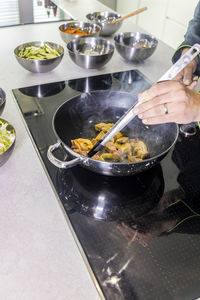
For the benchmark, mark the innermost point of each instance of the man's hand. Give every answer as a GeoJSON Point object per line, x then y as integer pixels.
{"type": "Point", "coordinates": [168, 101]}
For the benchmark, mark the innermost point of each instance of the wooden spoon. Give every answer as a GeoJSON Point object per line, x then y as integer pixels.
{"type": "Point", "coordinates": [136, 12]}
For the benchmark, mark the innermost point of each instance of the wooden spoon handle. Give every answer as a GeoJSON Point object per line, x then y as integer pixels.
{"type": "Point", "coordinates": [136, 12]}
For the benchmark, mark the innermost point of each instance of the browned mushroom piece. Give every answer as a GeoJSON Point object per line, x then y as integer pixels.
{"type": "Point", "coordinates": [81, 144]}
{"type": "Point", "coordinates": [141, 149]}
{"type": "Point", "coordinates": [122, 140]}
{"type": "Point", "coordinates": [126, 149]}
{"type": "Point", "coordinates": [133, 158]}
{"type": "Point", "coordinates": [110, 147]}
{"type": "Point", "coordinates": [103, 126]}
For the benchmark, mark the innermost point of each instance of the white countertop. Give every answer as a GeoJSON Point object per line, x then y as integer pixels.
{"type": "Point", "coordinates": [39, 257]}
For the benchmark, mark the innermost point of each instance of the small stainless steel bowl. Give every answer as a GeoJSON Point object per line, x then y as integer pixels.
{"type": "Point", "coordinates": [104, 19]}
{"type": "Point", "coordinates": [93, 30]}
{"type": "Point", "coordinates": [2, 101]}
{"type": "Point", "coordinates": [135, 46]}
{"type": "Point", "coordinates": [90, 53]}
{"type": "Point", "coordinates": [4, 156]}
{"type": "Point", "coordinates": [39, 66]}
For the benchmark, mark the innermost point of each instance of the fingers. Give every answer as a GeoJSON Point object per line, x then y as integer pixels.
{"type": "Point", "coordinates": [168, 101]}
{"type": "Point", "coordinates": [154, 104]}
{"type": "Point", "coordinates": [193, 83]}
{"type": "Point", "coordinates": [158, 90]}
{"type": "Point", "coordinates": [158, 95]}
{"type": "Point", "coordinates": [161, 119]}
{"type": "Point", "coordinates": [158, 110]}
{"type": "Point", "coordinates": [162, 103]}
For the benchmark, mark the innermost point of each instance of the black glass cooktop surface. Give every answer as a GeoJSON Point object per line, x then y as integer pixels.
{"type": "Point", "coordinates": [140, 233]}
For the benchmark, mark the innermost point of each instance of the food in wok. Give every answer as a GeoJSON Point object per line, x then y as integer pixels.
{"type": "Point", "coordinates": [118, 149]}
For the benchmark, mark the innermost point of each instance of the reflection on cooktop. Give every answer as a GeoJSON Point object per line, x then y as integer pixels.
{"type": "Point", "coordinates": [109, 198]}
{"type": "Point", "coordinates": [128, 76]}
{"type": "Point", "coordinates": [44, 90]}
{"type": "Point", "coordinates": [88, 84]}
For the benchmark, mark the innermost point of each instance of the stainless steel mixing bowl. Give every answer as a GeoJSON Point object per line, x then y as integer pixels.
{"type": "Point", "coordinates": [104, 19]}
{"type": "Point", "coordinates": [2, 101]}
{"type": "Point", "coordinates": [4, 156]}
{"type": "Point", "coordinates": [135, 46]}
{"type": "Point", "coordinates": [93, 30]}
{"type": "Point", "coordinates": [90, 53]}
{"type": "Point", "coordinates": [39, 66]}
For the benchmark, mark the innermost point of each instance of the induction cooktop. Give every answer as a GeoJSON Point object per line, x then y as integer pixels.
{"type": "Point", "coordinates": [139, 235]}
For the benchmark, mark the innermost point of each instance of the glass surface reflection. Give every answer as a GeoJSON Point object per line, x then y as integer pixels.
{"type": "Point", "coordinates": [109, 198]}
{"type": "Point", "coordinates": [88, 84]}
{"type": "Point", "coordinates": [128, 76]}
{"type": "Point", "coordinates": [44, 90]}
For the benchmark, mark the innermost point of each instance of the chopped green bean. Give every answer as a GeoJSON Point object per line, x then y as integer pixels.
{"type": "Point", "coordinates": [38, 52]}
{"type": "Point", "coordinates": [7, 136]}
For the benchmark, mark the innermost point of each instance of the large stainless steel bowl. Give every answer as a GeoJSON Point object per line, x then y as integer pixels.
{"type": "Point", "coordinates": [135, 46]}
{"type": "Point", "coordinates": [91, 29]}
{"type": "Point", "coordinates": [43, 65]}
{"type": "Point", "coordinates": [4, 156]}
{"type": "Point", "coordinates": [2, 101]}
{"type": "Point", "coordinates": [90, 53]}
{"type": "Point", "coordinates": [104, 19]}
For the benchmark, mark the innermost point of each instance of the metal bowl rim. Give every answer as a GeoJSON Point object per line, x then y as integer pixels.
{"type": "Point", "coordinates": [3, 94]}
{"type": "Point", "coordinates": [94, 38]}
{"type": "Point", "coordinates": [79, 23]}
{"type": "Point", "coordinates": [154, 39]}
{"type": "Point", "coordinates": [5, 121]}
{"type": "Point", "coordinates": [102, 13]}
{"type": "Point", "coordinates": [39, 60]}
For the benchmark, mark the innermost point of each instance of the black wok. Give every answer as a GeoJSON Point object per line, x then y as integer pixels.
{"type": "Point", "coordinates": [76, 118]}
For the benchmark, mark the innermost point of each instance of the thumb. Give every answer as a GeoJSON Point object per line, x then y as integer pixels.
{"type": "Point", "coordinates": [194, 82]}
{"type": "Point", "coordinates": [187, 75]}
{"type": "Point", "coordinates": [179, 76]}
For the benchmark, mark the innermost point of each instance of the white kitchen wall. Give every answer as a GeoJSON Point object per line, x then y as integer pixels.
{"type": "Point", "coordinates": [166, 19]}
{"type": "Point", "coordinates": [126, 6]}
{"type": "Point", "coordinates": [110, 3]}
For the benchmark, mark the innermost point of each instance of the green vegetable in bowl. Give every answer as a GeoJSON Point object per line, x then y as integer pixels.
{"type": "Point", "coordinates": [38, 53]}
{"type": "Point", "coordinates": [7, 136]}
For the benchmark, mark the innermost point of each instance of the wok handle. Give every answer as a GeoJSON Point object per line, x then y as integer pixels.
{"type": "Point", "coordinates": [57, 162]}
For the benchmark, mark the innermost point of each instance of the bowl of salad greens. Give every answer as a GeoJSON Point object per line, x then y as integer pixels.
{"type": "Point", "coordinates": [39, 57]}
{"type": "Point", "coordinates": [2, 101]}
{"type": "Point", "coordinates": [7, 140]}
